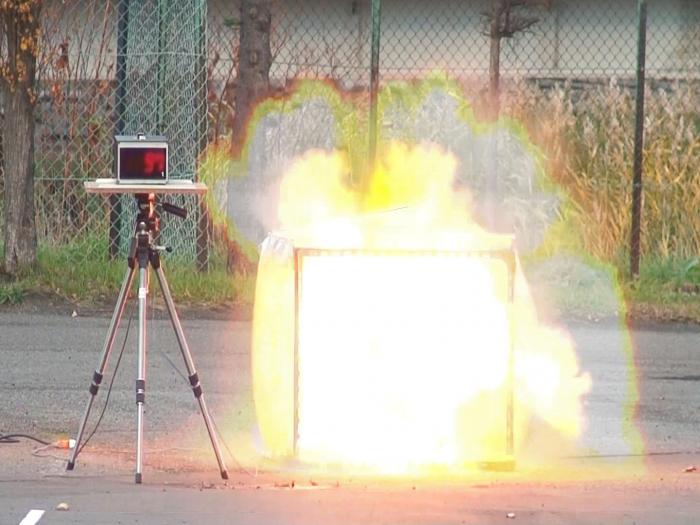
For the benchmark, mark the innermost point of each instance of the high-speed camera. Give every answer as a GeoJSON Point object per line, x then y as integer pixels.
{"type": "Point", "coordinates": [141, 159]}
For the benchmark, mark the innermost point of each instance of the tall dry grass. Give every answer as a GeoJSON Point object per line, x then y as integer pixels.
{"type": "Point", "coordinates": [588, 139]}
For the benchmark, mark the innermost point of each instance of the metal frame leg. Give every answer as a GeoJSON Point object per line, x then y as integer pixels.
{"type": "Point", "coordinates": [107, 349]}
{"type": "Point", "coordinates": [141, 365]}
{"type": "Point", "coordinates": [191, 372]}
{"type": "Point", "coordinates": [510, 399]}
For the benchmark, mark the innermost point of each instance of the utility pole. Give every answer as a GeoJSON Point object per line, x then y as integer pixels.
{"type": "Point", "coordinates": [638, 141]}
{"type": "Point", "coordinates": [374, 81]}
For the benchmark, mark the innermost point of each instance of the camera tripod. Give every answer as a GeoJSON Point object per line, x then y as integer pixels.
{"type": "Point", "coordinates": [144, 252]}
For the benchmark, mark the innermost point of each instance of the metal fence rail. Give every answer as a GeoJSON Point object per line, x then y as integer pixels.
{"type": "Point", "coordinates": [170, 67]}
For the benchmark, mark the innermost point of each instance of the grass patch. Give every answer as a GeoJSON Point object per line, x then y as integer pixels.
{"type": "Point", "coordinates": [81, 272]}
{"type": "Point", "coordinates": [574, 286]}
{"type": "Point", "coordinates": [214, 286]}
{"type": "Point", "coordinates": [12, 293]}
{"type": "Point", "coordinates": [70, 272]}
{"type": "Point", "coordinates": [667, 289]}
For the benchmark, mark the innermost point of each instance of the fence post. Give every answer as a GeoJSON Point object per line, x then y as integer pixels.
{"type": "Point", "coordinates": [202, 242]}
{"type": "Point", "coordinates": [638, 140]}
{"type": "Point", "coordinates": [376, 7]}
{"type": "Point", "coordinates": [115, 203]}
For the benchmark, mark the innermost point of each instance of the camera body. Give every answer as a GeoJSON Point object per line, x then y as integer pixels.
{"type": "Point", "coordinates": [141, 159]}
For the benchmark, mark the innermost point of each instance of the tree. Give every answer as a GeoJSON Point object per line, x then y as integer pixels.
{"type": "Point", "coordinates": [19, 46]}
{"type": "Point", "coordinates": [506, 18]}
{"type": "Point", "coordinates": [254, 61]}
{"type": "Point", "coordinates": [253, 84]}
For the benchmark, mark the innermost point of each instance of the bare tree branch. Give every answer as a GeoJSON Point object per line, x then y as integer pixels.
{"type": "Point", "coordinates": [504, 20]}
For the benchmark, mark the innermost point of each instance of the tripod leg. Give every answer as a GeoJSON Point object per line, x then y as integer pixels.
{"type": "Point", "coordinates": [191, 372]}
{"type": "Point", "coordinates": [141, 377]}
{"type": "Point", "coordinates": [99, 373]}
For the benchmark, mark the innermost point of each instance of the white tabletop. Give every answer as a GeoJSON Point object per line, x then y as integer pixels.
{"type": "Point", "coordinates": [183, 187]}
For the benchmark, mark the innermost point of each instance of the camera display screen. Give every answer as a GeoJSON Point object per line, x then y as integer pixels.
{"type": "Point", "coordinates": [142, 163]}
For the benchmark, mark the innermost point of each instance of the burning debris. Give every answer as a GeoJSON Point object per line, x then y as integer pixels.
{"type": "Point", "coordinates": [391, 332]}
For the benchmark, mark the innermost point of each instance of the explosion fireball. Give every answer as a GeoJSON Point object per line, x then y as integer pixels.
{"type": "Point", "coordinates": [387, 346]}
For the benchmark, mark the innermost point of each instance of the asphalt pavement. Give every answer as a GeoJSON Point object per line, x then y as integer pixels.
{"type": "Point", "coordinates": [628, 466]}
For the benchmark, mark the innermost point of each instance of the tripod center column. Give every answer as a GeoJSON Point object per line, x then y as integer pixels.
{"type": "Point", "coordinates": [142, 254]}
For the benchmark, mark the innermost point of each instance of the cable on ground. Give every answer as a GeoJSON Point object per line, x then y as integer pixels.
{"type": "Point", "coordinates": [14, 438]}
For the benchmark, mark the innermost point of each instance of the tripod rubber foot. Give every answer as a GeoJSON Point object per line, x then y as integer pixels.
{"type": "Point", "coordinates": [224, 474]}
{"type": "Point", "coordinates": [70, 466]}
{"type": "Point", "coordinates": [137, 478]}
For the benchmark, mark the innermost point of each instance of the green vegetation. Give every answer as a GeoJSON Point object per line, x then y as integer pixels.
{"type": "Point", "coordinates": [12, 293]}
{"type": "Point", "coordinates": [667, 289]}
{"type": "Point", "coordinates": [67, 272]}
{"type": "Point", "coordinates": [585, 139]}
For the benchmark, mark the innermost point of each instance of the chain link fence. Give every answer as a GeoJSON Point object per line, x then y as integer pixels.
{"type": "Point", "coordinates": [111, 68]}
{"type": "Point", "coordinates": [171, 67]}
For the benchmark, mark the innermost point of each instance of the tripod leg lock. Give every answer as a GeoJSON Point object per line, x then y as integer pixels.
{"type": "Point", "coordinates": [96, 380]}
{"type": "Point", "coordinates": [140, 391]}
{"type": "Point", "coordinates": [196, 387]}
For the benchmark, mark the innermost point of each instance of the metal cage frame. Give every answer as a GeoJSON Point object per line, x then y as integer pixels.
{"type": "Point", "coordinates": [507, 256]}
